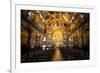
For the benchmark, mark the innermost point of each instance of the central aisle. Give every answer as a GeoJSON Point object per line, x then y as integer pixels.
{"type": "Point", "coordinates": [57, 55]}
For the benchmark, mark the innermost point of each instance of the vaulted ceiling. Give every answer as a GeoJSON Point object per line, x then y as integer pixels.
{"type": "Point", "coordinates": [42, 20]}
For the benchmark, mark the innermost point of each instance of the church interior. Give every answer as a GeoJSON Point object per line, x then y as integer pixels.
{"type": "Point", "coordinates": [54, 36]}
